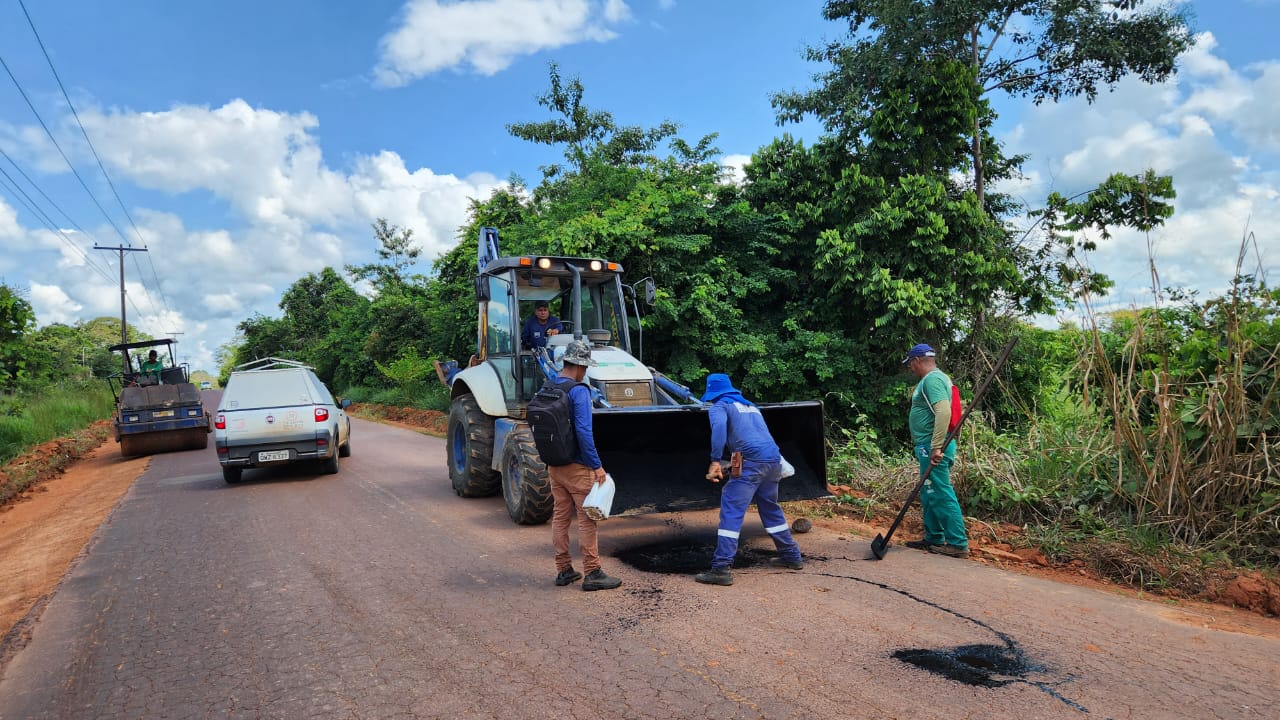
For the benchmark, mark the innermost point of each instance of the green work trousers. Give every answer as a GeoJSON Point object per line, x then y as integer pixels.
{"type": "Point", "coordinates": [943, 521]}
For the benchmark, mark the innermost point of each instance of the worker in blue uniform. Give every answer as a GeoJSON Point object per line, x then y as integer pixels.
{"type": "Point", "coordinates": [736, 423]}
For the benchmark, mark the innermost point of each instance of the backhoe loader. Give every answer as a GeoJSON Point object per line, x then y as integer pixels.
{"type": "Point", "coordinates": [651, 432]}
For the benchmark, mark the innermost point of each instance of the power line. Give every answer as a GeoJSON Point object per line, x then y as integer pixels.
{"type": "Point", "coordinates": [34, 208]}
{"type": "Point", "coordinates": [45, 195]}
{"type": "Point", "coordinates": [30, 204]}
{"type": "Point", "coordinates": [94, 150]}
{"type": "Point", "coordinates": [142, 280]}
{"type": "Point", "coordinates": [61, 152]}
{"type": "Point", "coordinates": [76, 115]}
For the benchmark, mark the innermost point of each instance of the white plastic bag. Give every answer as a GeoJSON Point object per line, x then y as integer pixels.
{"type": "Point", "coordinates": [787, 469]}
{"type": "Point", "coordinates": [600, 500]}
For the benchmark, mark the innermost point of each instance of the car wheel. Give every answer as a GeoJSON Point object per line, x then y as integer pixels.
{"type": "Point", "coordinates": [344, 450]}
{"type": "Point", "coordinates": [470, 449]}
{"type": "Point", "coordinates": [329, 465]}
{"type": "Point", "coordinates": [526, 484]}
{"type": "Point", "coordinates": [231, 475]}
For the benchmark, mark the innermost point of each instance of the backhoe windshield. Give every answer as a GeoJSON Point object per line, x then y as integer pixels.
{"type": "Point", "coordinates": [602, 309]}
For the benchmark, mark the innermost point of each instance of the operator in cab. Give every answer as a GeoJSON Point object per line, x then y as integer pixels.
{"type": "Point", "coordinates": [539, 326]}
{"type": "Point", "coordinates": [151, 369]}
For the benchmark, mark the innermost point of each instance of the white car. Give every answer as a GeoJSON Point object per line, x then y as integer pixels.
{"type": "Point", "coordinates": [276, 412]}
{"type": "Point", "coordinates": [206, 385]}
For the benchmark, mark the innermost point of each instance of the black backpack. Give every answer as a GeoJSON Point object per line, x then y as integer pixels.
{"type": "Point", "coordinates": [550, 416]}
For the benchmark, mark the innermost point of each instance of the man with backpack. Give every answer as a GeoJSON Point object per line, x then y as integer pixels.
{"type": "Point", "coordinates": [560, 416]}
{"type": "Point", "coordinates": [930, 421]}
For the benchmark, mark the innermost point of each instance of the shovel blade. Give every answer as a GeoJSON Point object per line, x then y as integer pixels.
{"type": "Point", "coordinates": [879, 546]}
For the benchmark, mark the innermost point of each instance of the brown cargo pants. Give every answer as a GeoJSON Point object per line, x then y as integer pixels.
{"type": "Point", "coordinates": [569, 487]}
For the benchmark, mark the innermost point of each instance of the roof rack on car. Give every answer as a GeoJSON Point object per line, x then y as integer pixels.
{"type": "Point", "coordinates": [271, 363]}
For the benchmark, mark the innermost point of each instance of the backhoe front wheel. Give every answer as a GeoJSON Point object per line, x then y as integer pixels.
{"type": "Point", "coordinates": [471, 449]}
{"type": "Point", "coordinates": [526, 484]}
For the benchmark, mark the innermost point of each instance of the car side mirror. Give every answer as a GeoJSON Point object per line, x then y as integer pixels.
{"type": "Point", "coordinates": [482, 289]}
{"type": "Point", "coordinates": [344, 403]}
{"type": "Point", "coordinates": [650, 292]}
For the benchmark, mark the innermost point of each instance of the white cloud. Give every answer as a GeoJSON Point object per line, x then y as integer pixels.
{"type": "Point", "coordinates": [269, 166]}
{"type": "Point", "coordinates": [488, 35]}
{"type": "Point", "coordinates": [52, 305]}
{"type": "Point", "coordinates": [734, 167]}
{"type": "Point", "coordinates": [298, 215]}
{"type": "Point", "coordinates": [8, 221]}
{"type": "Point", "coordinates": [1211, 128]}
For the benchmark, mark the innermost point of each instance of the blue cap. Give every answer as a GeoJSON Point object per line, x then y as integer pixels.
{"type": "Point", "coordinates": [919, 351]}
{"type": "Point", "coordinates": [718, 385]}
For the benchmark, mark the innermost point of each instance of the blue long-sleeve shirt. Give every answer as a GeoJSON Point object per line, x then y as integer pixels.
{"type": "Point", "coordinates": [580, 400]}
{"type": "Point", "coordinates": [742, 428]}
{"type": "Point", "coordinates": [534, 334]}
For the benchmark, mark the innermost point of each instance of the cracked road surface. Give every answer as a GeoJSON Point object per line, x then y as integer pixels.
{"type": "Point", "coordinates": [377, 593]}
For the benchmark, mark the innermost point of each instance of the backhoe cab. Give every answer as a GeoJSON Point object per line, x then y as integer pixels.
{"type": "Point", "coordinates": [651, 433]}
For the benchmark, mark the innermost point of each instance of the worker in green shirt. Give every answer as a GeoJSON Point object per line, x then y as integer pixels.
{"type": "Point", "coordinates": [944, 531]}
{"type": "Point", "coordinates": [151, 369]}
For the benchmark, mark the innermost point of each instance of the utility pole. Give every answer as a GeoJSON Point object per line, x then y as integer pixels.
{"type": "Point", "coordinates": [173, 352]}
{"type": "Point", "coordinates": [124, 326]}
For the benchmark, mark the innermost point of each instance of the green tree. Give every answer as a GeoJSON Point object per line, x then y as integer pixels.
{"type": "Point", "coordinates": [17, 320]}
{"type": "Point", "coordinates": [1039, 49]}
{"type": "Point", "coordinates": [397, 250]}
{"type": "Point", "coordinates": [666, 216]}
{"type": "Point", "coordinates": [399, 312]}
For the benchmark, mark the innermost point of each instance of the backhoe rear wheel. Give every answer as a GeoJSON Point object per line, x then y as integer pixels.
{"type": "Point", "coordinates": [471, 449]}
{"type": "Point", "coordinates": [526, 484]}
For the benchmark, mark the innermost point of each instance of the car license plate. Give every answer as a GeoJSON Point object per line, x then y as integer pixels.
{"type": "Point", "coordinates": [162, 413]}
{"type": "Point", "coordinates": [273, 455]}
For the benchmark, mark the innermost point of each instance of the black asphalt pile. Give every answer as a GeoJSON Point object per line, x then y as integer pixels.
{"type": "Point", "coordinates": [687, 554]}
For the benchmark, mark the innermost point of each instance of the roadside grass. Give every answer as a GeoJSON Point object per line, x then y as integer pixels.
{"type": "Point", "coordinates": [1064, 485]}
{"type": "Point", "coordinates": [47, 459]}
{"type": "Point", "coordinates": [28, 419]}
{"type": "Point", "coordinates": [420, 395]}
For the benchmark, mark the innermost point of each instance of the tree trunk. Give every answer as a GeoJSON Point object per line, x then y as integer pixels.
{"type": "Point", "coordinates": [977, 133]}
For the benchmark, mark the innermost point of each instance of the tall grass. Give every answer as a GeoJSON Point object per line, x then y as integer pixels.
{"type": "Point", "coordinates": [1192, 394]}
{"type": "Point", "coordinates": [30, 418]}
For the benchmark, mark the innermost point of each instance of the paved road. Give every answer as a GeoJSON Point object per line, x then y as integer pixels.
{"type": "Point", "coordinates": [376, 593]}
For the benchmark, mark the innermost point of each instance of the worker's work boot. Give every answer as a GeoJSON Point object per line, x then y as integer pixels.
{"type": "Point", "coordinates": [597, 580]}
{"type": "Point", "coordinates": [954, 551]}
{"type": "Point", "coordinates": [781, 562]}
{"type": "Point", "coordinates": [564, 577]}
{"type": "Point", "coordinates": [715, 576]}
{"type": "Point", "coordinates": [918, 544]}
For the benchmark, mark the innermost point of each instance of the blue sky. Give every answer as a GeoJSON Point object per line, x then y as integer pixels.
{"type": "Point", "coordinates": [255, 142]}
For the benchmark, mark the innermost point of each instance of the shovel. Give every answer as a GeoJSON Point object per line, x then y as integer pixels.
{"type": "Point", "coordinates": [880, 545]}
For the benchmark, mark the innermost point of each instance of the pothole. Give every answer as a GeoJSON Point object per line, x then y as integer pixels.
{"type": "Point", "coordinates": [989, 666]}
{"type": "Point", "coordinates": [686, 555]}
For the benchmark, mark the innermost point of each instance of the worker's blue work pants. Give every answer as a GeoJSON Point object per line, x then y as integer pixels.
{"type": "Point", "coordinates": [758, 484]}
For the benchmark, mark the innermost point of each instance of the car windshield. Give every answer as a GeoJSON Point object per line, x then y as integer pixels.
{"type": "Point", "coordinates": [266, 388]}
